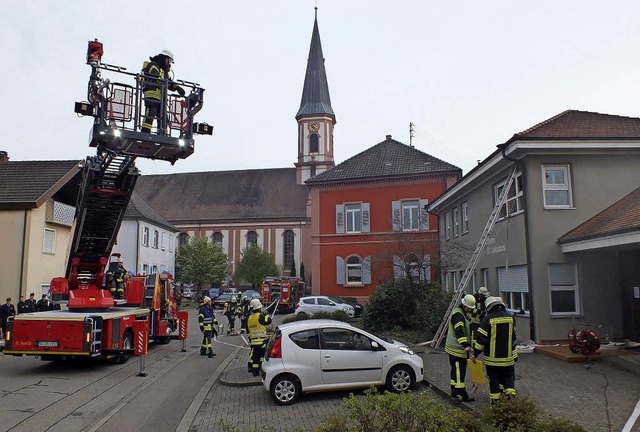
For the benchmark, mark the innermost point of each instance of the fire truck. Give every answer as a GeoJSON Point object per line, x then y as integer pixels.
{"type": "Point", "coordinates": [93, 323]}
{"type": "Point", "coordinates": [286, 291]}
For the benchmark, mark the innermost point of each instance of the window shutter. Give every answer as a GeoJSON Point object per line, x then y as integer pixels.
{"type": "Point", "coordinates": [340, 271]}
{"type": "Point", "coordinates": [426, 264]}
{"type": "Point", "coordinates": [515, 279]}
{"type": "Point", "coordinates": [366, 227]}
{"type": "Point", "coordinates": [424, 215]}
{"type": "Point", "coordinates": [562, 274]}
{"type": "Point", "coordinates": [398, 268]}
{"type": "Point", "coordinates": [340, 219]}
{"type": "Point", "coordinates": [366, 270]}
{"type": "Point", "coordinates": [49, 241]}
{"type": "Point", "coordinates": [396, 216]}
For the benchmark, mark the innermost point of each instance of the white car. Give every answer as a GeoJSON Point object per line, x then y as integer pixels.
{"type": "Point", "coordinates": [319, 355]}
{"type": "Point", "coordinates": [313, 304]}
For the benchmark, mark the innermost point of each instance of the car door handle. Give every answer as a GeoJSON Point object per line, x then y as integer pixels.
{"type": "Point", "coordinates": [327, 356]}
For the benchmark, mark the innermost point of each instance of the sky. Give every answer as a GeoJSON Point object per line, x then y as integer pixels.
{"type": "Point", "coordinates": [468, 75]}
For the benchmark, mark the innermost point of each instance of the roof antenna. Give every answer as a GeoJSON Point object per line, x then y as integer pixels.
{"type": "Point", "coordinates": [410, 134]}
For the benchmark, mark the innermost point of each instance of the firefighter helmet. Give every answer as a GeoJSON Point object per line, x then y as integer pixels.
{"type": "Point", "coordinates": [168, 54]}
{"type": "Point", "coordinates": [469, 301]}
{"type": "Point", "coordinates": [120, 260]}
{"type": "Point", "coordinates": [207, 299]}
{"type": "Point", "coordinates": [233, 299]}
{"type": "Point", "coordinates": [492, 302]}
{"type": "Point", "coordinates": [483, 290]}
{"type": "Point", "coordinates": [255, 304]}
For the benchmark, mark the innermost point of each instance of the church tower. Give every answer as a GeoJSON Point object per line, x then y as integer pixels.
{"type": "Point", "coordinates": [315, 116]}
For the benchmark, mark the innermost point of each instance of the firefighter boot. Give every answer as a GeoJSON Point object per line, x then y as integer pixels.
{"type": "Point", "coordinates": [211, 353]}
{"type": "Point", "coordinates": [463, 396]}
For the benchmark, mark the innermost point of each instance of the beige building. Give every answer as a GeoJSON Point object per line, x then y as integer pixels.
{"type": "Point", "coordinates": [37, 206]}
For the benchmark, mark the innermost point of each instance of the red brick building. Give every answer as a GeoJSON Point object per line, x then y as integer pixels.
{"type": "Point", "coordinates": [370, 221]}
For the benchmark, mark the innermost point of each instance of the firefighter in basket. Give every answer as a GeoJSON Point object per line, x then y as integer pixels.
{"type": "Point", "coordinates": [154, 72]}
{"type": "Point", "coordinates": [257, 325]}
{"type": "Point", "coordinates": [206, 320]}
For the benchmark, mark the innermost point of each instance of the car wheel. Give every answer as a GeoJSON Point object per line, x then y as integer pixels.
{"type": "Point", "coordinates": [400, 379]}
{"type": "Point", "coordinates": [285, 389]}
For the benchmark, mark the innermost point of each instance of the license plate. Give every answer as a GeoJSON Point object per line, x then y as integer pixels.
{"type": "Point", "coordinates": [46, 344]}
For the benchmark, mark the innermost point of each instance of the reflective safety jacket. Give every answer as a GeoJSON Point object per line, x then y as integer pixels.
{"type": "Point", "coordinates": [152, 88]}
{"type": "Point", "coordinates": [120, 274]}
{"type": "Point", "coordinates": [257, 325]}
{"type": "Point", "coordinates": [206, 318]}
{"type": "Point", "coordinates": [496, 337]}
{"type": "Point", "coordinates": [458, 337]}
{"type": "Point", "coordinates": [229, 308]}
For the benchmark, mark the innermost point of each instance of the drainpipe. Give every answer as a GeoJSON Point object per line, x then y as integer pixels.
{"type": "Point", "coordinates": [527, 239]}
{"type": "Point", "coordinates": [137, 247]}
{"type": "Point", "coordinates": [23, 248]}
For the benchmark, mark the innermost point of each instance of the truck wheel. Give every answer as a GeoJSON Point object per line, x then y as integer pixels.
{"type": "Point", "coordinates": [127, 343]}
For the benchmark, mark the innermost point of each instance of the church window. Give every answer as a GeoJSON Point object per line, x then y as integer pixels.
{"type": "Point", "coordinates": [313, 143]}
{"type": "Point", "coordinates": [252, 238]}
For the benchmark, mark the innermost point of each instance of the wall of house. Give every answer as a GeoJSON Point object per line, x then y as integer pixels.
{"type": "Point", "coordinates": [378, 244]}
{"type": "Point", "coordinates": [12, 226]}
{"type": "Point", "coordinates": [40, 267]}
{"type": "Point", "coordinates": [135, 254]}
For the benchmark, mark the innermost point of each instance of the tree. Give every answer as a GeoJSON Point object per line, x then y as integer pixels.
{"type": "Point", "coordinates": [201, 262]}
{"type": "Point", "coordinates": [293, 268]}
{"type": "Point", "coordinates": [255, 264]}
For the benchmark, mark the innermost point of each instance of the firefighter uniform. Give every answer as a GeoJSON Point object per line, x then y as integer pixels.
{"type": "Point", "coordinates": [478, 313]}
{"type": "Point", "coordinates": [207, 319]}
{"type": "Point", "coordinates": [497, 340]}
{"type": "Point", "coordinates": [458, 345]}
{"type": "Point", "coordinates": [230, 310]}
{"type": "Point", "coordinates": [154, 72]}
{"type": "Point", "coordinates": [257, 324]}
{"type": "Point", "coordinates": [243, 313]}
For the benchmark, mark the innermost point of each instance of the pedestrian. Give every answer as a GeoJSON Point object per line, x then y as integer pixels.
{"type": "Point", "coordinates": [458, 346]}
{"type": "Point", "coordinates": [230, 312]}
{"type": "Point", "coordinates": [43, 304]}
{"type": "Point", "coordinates": [257, 325]}
{"type": "Point", "coordinates": [497, 340]}
{"type": "Point", "coordinates": [118, 280]}
{"type": "Point", "coordinates": [478, 312]}
{"type": "Point", "coordinates": [6, 310]}
{"type": "Point", "coordinates": [206, 320]}
{"type": "Point", "coordinates": [154, 73]}
{"type": "Point", "coordinates": [32, 302]}
{"type": "Point", "coordinates": [23, 306]}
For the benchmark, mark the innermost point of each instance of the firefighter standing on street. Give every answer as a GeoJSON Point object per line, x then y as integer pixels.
{"type": "Point", "coordinates": [207, 319]}
{"type": "Point", "coordinates": [497, 339]}
{"type": "Point", "coordinates": [118, 279]}
{"type": "Point", "coordinates": [230, 312]}
{"type": "Point", "coordinates": [243, 313]}
{"type": "Point", "coordinates": [159, 67]}
{"type": "Point", "coordinates": [458, 346]}
{"type": "Point", "coordinates": [257, 325]}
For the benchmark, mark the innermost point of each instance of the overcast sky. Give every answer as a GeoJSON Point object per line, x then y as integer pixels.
{"type": "Point", "coordinates": [468, 74]}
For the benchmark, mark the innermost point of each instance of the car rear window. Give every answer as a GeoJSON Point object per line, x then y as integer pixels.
{"type": "Point", "coordinates": [309, 301]}
{"type": "Point", "coordinates": [306, 339]}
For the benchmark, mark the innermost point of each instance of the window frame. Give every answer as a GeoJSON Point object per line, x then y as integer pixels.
{"type": "Point", "coordinates": [410, 205]}
{"type": "Point", "coordinates": [464, 209]}
{"type": "Point", "coordinates": [566, 186]}
{"type": "Point", "coordinates": [456, 223]}
{"type": "Point", "coordinates": [517, 198]}
{"type": "Point", "coordinates": [513, 296]}
{"type": "Point", "coordinates": [288, 250]}
{"type": "Point", "coordinates": [171, 243]}
{"type": "Point", "coordinates": [250, 240]}
{"type": "Point", "coordinates": [557, 287]}
{"type": "Point", "coordinates": [217, 237]}
{"type": "Point", "coordinates": [355, 267]}
{"type": "Point", "coordinates": [353, 215]}
{"type": "Point", "coordinates": [313, 142]}
{"type": "Point", "coordinates": [154, 238]}
{"type": "Point", "coordinates": [144, 240]}
{"type": "Point", "coordinates": [447, 226]}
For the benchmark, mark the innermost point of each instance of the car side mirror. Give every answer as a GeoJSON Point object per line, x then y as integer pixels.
{"type": "Point", "coordinates": [375, 345]}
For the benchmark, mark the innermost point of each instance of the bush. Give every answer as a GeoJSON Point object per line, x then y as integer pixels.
{"type": "Point", "coordinates": [392, 305]}
{"type": "Point", "coordinates": [431, 309]}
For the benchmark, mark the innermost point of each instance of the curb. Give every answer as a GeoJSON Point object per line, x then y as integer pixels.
{"type": "Point", "coordinates": [251, 382]}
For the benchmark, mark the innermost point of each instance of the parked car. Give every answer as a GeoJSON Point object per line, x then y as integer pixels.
{"type": "Point", "coordinates": [214, 292]}
{"type": "Point", "coordinates": [320, 355]}
{"type": "Point", "coordinates": [234, 291]}
{"type": "Point", "coordinates": [314, 304]}
{"type": "Point", "coordinates": [221, 300]}
{"type": "Point", "coordinates": [250, 294]}
{"type": "Point", "coordinates": [188, 293]}
{"type": "Point", "coordinates": [357, 307]}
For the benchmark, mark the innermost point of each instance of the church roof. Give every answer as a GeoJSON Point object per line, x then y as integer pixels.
{"type": "Point", "coordinates": [225, 196]}
{"type": "Point", "coordinates": [139, 209]}
{"type": "Point", "coordinates": [390, 158]}
{"type": "Point", "coordinates": [315, 93]}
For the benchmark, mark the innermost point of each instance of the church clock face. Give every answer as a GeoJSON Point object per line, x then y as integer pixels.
{"type": "Point", "coordinates": [314, 126]}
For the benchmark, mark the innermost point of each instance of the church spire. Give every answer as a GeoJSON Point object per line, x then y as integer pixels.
{"type": "Point", "coordinates": [315, 94]}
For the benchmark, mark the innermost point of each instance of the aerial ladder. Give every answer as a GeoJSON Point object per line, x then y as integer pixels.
{"type": "Point", "coordinates": [475, 257]}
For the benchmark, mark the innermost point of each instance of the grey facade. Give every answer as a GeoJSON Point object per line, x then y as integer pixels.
{"type": "Point", "coordinates": [571, 168]}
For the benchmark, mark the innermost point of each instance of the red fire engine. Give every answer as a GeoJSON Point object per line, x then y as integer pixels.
{"type": "Point", "coordinates": [94, 324]}
{"type": "Point", "coordinates": [285, 290]}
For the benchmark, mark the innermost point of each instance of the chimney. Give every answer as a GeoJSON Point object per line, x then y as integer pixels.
{"type": "Point", "coordinates": [388, 137]}
{"type": "Point", "coordinates": [4, 156]}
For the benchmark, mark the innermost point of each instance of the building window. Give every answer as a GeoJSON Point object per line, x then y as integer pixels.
{"type": "Point", "coordinates": [154, 239]}
{"type": "Point", "coordinates": [288, 249]}
{"type": "Point", "coordinates": [515, 197]}
{"type": "Point", "coordinates": [154, 269]}
{"type": "Point", "coordinates": [144, 269]}
{"type": "Point", "coordinates": [410, 215]}
{"type": "Point", "coordinates": [252, 238]}
{"type": "Point", "coordinates": [556, 186]}
{"type": "Point", "coordinates": [49, 241]}
{"type": "Point", "coordinates": [354, 270]}
{"type": "Point", "coordinates": [513, 285]}
{"type": "Point", "coordinates": [183, 239]}
{"type": "Point", "coordinates": [216, 237]}
{"type": "Point", "coordinates": [485, 277]}
{"type": "Point", "coordinates": [465, 218]}
{"type": "Point", "coordinates": [352, 218]}
{"type": "Point", "coordinates": [163, 243]}
{"type": "Point", "coordinates": [145, 236]}
{"type": "Point", "coordinates": [447, 226]}
{"type": "Point", "coordinates": [171, 243]}
{"type": "Point", "coordinates": [313, 143]}
{"type": "Point", "coordinates": [456, 226]}
{"type": "Point", "coordinates": [563, 289]}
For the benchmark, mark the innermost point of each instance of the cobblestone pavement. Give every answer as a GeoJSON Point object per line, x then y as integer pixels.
{"type": "Point", "coordinates": [601, 397]}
